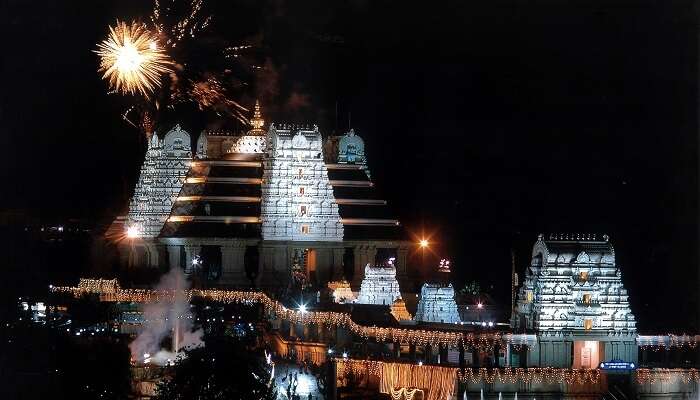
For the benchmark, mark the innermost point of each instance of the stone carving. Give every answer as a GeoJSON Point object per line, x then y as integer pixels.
{"type": "Point", "coordinates": [588, 302]}
{"type": "Point", "coordinates": [379, 286]}
{"type": "Point", "coordinates": [351, 149]}
{"type": "Point", "coordinates": [297, 197]}
{"type": "Point", "coordinates": [437, 304]}
{"type": "Point", "coordinates": [162, 174]}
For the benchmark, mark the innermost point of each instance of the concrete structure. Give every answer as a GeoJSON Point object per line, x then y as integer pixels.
{"type": "Point", "coordinates": [437, 304]}
{"type": "Point", "coordinates": [399, 311]}
{"type": "Point", "coordinates": [379, 285]}
{"type": "Point", "coordinates": [248, 204]}
{"type": "Point", "coordinates": [574, 300]}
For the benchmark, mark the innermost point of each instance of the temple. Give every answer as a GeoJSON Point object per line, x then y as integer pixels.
{"type": "Point", "coordinates": [573, 299]}
{"type": "Point", "coordinates": [437, 299]}
{"type": "Point", "coordinates": [379, 285]}
{"type": "Point", "coordinates": [240, 209]}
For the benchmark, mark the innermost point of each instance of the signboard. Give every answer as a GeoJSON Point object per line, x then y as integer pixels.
{"type": "Point", "coordinates": [617, 365]}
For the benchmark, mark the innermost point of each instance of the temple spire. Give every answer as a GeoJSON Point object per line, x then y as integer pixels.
{"type": "Point", "coordinates": [257, 122]}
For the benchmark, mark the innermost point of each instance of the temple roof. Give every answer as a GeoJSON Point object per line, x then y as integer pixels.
{"type": "Point", "coordinates": [573, 248]}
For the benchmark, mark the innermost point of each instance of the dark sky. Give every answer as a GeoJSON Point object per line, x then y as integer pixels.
{"type": "Point", "coordinates": [486, 122]}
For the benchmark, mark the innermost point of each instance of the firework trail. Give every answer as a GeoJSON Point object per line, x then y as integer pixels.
{"type": "Point", "coordinates": [152, 61]}
{"type": "Point", "coordinates": [131, 59]}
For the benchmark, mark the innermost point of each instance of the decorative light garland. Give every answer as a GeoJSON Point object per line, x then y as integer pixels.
{"type": "Point", "coordinates": [666, 375]}
{"type": "Point", "coordinates": [529, 375]}
{"type": "Point", "coordinates": [439, 381]}
{"type": "Point", "coordinates": [109, 290]}
{"type": "Point", "coordinates": [666, 342]}
{"type": "Point", "coordinates": [406, 393]}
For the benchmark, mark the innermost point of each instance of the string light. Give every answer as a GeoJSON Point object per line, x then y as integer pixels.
{"type": "Point", "coordinates": [406, 393]}
{"type": "Point", "coordinates": [666, 375]}
{"type": "Point", "coordinates": [666, 342]}
{"type": "Point", "coordinates": [109, 290]}
{"type": "Point", "coordinates": [529, 375]}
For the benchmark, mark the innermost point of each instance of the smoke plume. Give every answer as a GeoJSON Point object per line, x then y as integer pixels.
{"type": "Point", "coordinates": [166, 318]}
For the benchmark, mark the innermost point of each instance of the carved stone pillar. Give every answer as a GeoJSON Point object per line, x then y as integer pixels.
{"type": "Point", "coordinates": [152, 254]}
{"type": "Point", "coordinates": [338, 263]}
{"type": "Point", "coordinates": [173, 256]}
{"type": "Point", "coordinates": [233, 264]}
{"type": "Point", "coordinates": [364, 254]}
{"type": "Point", "coordinates": [401, 263]}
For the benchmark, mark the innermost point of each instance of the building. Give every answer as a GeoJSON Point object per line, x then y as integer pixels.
{"type": "Point", "coordinates": [379, 286]}
{"type": "Point", "coordinates": [573, 299]}
{"type": "Point", "coordinates": [437, 304]}
{"type": "Point", "coordinates": [399, 310]}
{"type": "Point", "coordinates": [241, 209]}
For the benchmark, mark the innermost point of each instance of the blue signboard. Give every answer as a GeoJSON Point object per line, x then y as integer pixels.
{"type": "Point", "coordinates": [617, 365]}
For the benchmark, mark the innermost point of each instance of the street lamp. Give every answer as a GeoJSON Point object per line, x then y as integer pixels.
{"type": "Point", "coordinates": [423, 243]}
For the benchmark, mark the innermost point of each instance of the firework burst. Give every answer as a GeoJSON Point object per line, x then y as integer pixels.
{"type": "Point", "coordinates": [131, 59]}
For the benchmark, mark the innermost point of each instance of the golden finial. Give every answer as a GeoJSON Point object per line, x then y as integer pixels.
{"type": "Point", "coordinates": [257, 122]}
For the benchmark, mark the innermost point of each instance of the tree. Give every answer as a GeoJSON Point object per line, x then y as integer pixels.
{"type": "Point", "coordinates": [471, 288]}
{"type": "Point", "coordinates": [225, 368]}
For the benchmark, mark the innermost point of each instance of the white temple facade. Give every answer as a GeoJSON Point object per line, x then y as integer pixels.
{"type": "Point", "coordinates": [437, 304]}
{"type": "Point", "coordinates": [379, 286]}
{"type": "Point", "coordinates": [162, 175]}
{"type": "Point", "coordinates": [249, 203]}
{"type": "Point", "coordinates": [297, 197]}
{"type": "Point", "coordinates": [573, 295]}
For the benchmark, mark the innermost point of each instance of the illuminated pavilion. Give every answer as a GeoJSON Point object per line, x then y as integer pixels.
{"type": "Point", "coordinates": [243, 208]}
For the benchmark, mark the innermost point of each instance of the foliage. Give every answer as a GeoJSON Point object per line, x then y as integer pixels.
{"type": "Point", "coordinates": [225, 368]}
{"type": "Point", "coordinates": [471, 288]}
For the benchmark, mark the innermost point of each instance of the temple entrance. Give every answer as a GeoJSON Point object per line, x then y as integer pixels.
{"type": "Point", "coordinates": [587, 353]}
{"type": "Point", "coordinates": [310, 257]}
{"type": "Point", "coordinates": [304, 266]}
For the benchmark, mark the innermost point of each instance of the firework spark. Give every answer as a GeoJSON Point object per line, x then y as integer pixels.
{"type": "Point", "coordinates": [131, 59]}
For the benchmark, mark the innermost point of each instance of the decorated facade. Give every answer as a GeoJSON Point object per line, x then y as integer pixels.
{"type": "Point", "coordinates": [379, 285]}
{"type": "Point", "coordinates": [297, 197]}
{"type": "Point", "coordinates": [251, 203]}
{"type": "Point", "coordinates": [399, 310]}
{"type": "Point", "coordinates": [437, 304]}
{"type": "Point", "coordinates": [161, 178]}
{"type": "Point", "coordinates": [573, 295]}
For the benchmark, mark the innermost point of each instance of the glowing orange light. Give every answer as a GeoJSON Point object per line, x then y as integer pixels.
{"type": "Point", "coordinates": [133, 232]}
{"type": "Point", "coordinates": [424, 243]}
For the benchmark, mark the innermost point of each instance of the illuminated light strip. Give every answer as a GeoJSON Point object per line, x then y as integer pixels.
{"type": "Point", "coordinates": [370, 221]}
{"type": "Point", "coordinates": [215, 218]}
{"type": "Point", "coordinates": [361, 202]}
{"type": "Point", "coordinates": [231, 199]}
{"type": "Point", "coordinates": [229, 163]}
{"type": "Point", "coordinates": [110, 291]}
{"type": "Point", "coordinates": [254, 181]}
{"type": "Point", "coordinates": [666, 375]}
{"type": "Point", "coordinates": [351, 183]}
{"type": "Point", "coordinates": [345, 166]}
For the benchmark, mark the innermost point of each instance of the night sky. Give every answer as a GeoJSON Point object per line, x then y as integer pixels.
{"type": "Point", "coordinates": [485, 122]}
